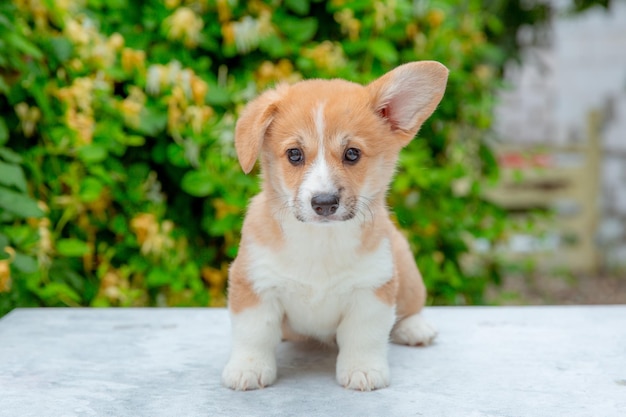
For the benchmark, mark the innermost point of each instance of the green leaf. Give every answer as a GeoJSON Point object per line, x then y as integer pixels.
{"type": "Point", "coordinates": [218, 96]}
{"type": "Point", "coordinates": [4, 242]}
{"type": "Point", "coordinates": [62, 48]}
{"type": "Point", "coordinates": [20, 204]}
{"type": "Point", "coordinates": [12, 175]}
{"type": "Point", "coordinates": [72, 247]}
{"type": "Point", "coordinates": [4, 132]}
{"type": "Point", "coordinates": [90, 189]}
{"type": "Point", "coordinates": [20, 43]}
{"type": "Point", "coordinates": [92, 153]}
{"type": "Point", "coordinates": [157, 277]}
{"type": "Point", "coordinates": [133, 140]}
{"type": "Point", "coordinates": [384, 50]}
{"type": "Point", "coordinates": [24, 263]}
{"type": "Point", "coordinates": [198, 183]}
{"type": "Point", "coordinates": [58, 291]}
{"type": "Point", "coordinates": [10, 156]}
{"type": "Point", "coordinates": [4, 87]}
{"type": "Point", "coordinates": [151, 122]}
{"type": "Point", "coordinates": [300, 7]}
{"type": "Point", "coordinates": [299, 30]}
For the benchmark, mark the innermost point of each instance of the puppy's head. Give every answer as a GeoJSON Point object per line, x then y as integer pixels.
{"type": "Point", "coordinates": [328, 148]}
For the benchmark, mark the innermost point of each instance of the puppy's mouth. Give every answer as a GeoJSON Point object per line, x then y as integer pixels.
{"type": "Point", "coordinates": [324, 219]}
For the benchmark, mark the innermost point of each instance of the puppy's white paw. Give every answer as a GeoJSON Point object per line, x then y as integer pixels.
{"type": "Point", "coordinates": [364, 378]}
{"type": "Point", "coordinates": [413, 331]}
{"type": "Point", "coordinates": [242, 375]}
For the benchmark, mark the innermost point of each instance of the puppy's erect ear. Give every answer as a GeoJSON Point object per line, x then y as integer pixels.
{"type": "Point", "coordinates": [406, 96]}
{"type": "Point", "coordinates": [252, 126]}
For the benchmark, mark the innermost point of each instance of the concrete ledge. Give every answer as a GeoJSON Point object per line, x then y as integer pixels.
{"type": "Point", "coordinates": [487, 361]}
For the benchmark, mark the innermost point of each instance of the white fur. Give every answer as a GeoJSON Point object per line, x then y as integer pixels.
{"type": "Point", "coordinates": [327, 294]}
{"type": "Point", "coordinates": [256, 332]}
{"type": "Point", "coordinates": [320, 123]}
{"type": "Point", "coordinates": [316, 290]}
{"type": "Point", "coordinates": [413, 331]}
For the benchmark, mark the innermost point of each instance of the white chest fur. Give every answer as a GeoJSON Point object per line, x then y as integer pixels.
{"type": "Point", "coordinates": [317, 272]}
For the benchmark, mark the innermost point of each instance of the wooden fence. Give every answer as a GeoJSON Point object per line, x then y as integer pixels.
{"type": "Point", "coordinates": [563, 180]}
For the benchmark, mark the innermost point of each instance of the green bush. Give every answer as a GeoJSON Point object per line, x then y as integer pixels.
{"type": "Point", "coordinates": [118, 179]}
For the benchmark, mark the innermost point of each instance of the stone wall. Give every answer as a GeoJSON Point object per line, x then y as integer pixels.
{"type": "Point", "coordinates": [552, 94]}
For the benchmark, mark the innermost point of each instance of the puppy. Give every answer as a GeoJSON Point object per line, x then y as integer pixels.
{"type": "Point", "coordinates": [319, 257]}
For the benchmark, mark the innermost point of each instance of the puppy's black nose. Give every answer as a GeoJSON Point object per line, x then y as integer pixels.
{"type": "Point", "coordinates": [325, 204]}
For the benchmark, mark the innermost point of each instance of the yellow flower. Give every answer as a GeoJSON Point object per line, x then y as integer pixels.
{"type": "Point", "coordinates": [132, 106]}
{"type": "Point", "coordinates": [384, 12]}
{"type": "Point", "coordinates": [327, 55]}
{"type": "Point", "coordinates": [484, 72]}
{"type": "Point", "coordinates": [198, 116]}
{"type": "Point", "coordinates": [223, 11]}
{"type": "Point", "coordinates": [82, 89]}
{"type": "Point", "coordinates": [282, 71]}
{"type": "Point", "coordinates": [76, 64]}
{"type": "Point", "coordinates": [412, 30]}
{"type": "Point", "coordinates": [5, 270]}
{"type": "Point", "coordinates": [349, 24]}
{"type": "Point", "coordinates": [29, 116]}
{"type": "Point", "coordinates": [116, 41]}
{"type": "Point", "coordinates": [5, 276]}
{"type": "Point", "coordinates": [216, 278]}
{"type": "Point", "coordinates": [83, 124]}
{"type": "Point", "coordinates": [114, 286]}
{"type": "Point", "coordinates": [44, 246]}
{"type": "Point", "coordinates": [76, 32]}
{"type": "Point", "coordinates": [265, 73]}
{"type": "Point", "coordinates": [435, 18]}
{"type": "Point", "coordinates": [176, 103]}
{"type": "Point", "coordinates": [79, 113]}
{"type": "Point", "coordinates": [184, 25]}
{"type": "Point", "coordinates": [144, 225]}
{"type": "Point", "coordinates": [133, 59]}
{"type": "Point", "coordinates": [228, 33]}
{"type": "Point", "coordinates": [152, 237]}
{"type": "Point", "coordinates": [170, 4]}
{"type": "Point", "coordinates": [199, 89]}
{"type": "Point", "coordinates": [249, 31]}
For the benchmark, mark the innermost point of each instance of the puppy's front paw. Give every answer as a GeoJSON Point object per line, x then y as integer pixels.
{"type": "Point", "coordinates": [412, 331]}
{"type": "Point", "coordinates": [363, 378]}
{"type": "Point", "coordinates": [249, 374]}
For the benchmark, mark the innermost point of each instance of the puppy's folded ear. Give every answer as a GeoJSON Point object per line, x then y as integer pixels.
{"type": "Point", "coordinates": [406, 96]}
{"type": "Point", "coordinates": [253, 124]}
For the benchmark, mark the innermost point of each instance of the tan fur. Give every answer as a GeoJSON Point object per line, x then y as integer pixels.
{"type": "Point", "coordinates": [241, 295]}
{"type": "Point", "coordinates": [411, 294]}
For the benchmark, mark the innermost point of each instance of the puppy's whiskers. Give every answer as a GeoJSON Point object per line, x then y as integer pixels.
{"type": "Point", "coordinates": [363, 207]}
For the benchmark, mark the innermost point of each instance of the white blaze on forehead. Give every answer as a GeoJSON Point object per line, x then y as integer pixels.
{"type": "Point", "coordinates": [320, 123]}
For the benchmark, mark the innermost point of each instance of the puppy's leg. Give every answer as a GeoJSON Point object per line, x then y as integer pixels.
{"type": "Point", "coordinates": [411, 328]}
{"type": "Point", "coordinates": [362, 336]}
{"type": "Point", "coordinates": [256, 333]}
{"type": "Point", "coordinates": [413, 331]}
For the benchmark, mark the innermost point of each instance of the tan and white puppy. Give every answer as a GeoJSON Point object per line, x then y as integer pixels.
{"type": "Point", "coordinates": [319, 256]}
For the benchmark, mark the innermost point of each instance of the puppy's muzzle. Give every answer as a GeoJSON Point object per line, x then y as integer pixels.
{"type": "Point", "coordinates": [325, 204]}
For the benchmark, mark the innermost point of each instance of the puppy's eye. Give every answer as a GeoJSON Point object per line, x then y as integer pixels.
{"type": "Point", "coordinates": [351, 155]}
{"type": "Point", "coordinates": [295, 156]}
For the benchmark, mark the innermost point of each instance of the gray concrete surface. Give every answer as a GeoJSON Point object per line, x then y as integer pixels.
{"type": "Point", "coordinates": [487, 361]}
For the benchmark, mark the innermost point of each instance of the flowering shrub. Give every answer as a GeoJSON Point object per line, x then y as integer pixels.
{"type": "Point", "coordinates": [119, 184]}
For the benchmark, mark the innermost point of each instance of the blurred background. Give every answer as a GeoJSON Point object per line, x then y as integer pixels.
{"type": "Point", "coordinates": [119, 184]}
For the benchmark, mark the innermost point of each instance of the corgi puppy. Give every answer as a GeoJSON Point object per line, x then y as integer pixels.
{"type": "Point", "coordinates": [319, 256]}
